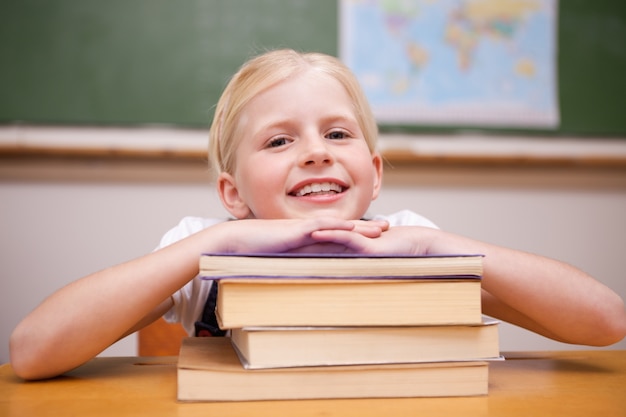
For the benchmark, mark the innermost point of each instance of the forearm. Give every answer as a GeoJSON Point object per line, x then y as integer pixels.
{"type": "Point", "coordinates": [83, 318]}
{"type": "Point", "coordinates": [549, 297]}
{"type": "Point", "coordinates": [543, 295]}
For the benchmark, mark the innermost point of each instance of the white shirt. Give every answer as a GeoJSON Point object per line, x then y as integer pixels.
{"type": "Point", "coordinates": [190, 299]}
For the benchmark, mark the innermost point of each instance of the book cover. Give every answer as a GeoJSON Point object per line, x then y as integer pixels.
{"type": "Point", "coordinates": [312, 302]}
{"type": "Point", "coordinates": [217, 266]}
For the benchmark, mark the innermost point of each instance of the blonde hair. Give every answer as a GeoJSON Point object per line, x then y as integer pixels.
{"type": "Point", "coordinates": [265, 71]}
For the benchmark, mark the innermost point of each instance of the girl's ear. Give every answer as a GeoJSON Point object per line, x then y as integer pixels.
{"type": "Point", "coordinates": [377, 165]}
{"type": "Point", "coordinates": [227, 190]}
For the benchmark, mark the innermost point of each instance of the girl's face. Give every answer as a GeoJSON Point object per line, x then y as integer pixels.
{"type": "Point", "coordinates": [301, 154]}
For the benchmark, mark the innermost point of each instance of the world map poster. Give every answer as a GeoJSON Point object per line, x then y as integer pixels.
{"type": "Point", "coordinates": [486, 63]}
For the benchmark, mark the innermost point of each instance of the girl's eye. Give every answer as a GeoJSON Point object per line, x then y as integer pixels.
{"type": "Point", "coordinates": [274, 143]}
{"type": "Point", "coordinates": [337, 134]}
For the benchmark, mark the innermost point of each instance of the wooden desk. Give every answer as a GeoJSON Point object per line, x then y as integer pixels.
{"type": "Point", "coordinates": [576, 383]}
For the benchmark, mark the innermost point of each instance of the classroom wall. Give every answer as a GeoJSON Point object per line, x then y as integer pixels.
{"type": "Point", "coordinates": [55, 231]}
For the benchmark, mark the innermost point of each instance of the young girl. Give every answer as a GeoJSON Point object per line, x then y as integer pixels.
{"type": "Point", "coordinates": [294, 145]}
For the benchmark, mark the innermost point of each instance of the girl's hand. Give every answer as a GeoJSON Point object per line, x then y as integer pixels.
{"type": "Point", "coordinates": [294, 235]}
{"type": "Point", "coordinates": [370, 228]}
{"type": "Point", "coordinates": [400, 240]}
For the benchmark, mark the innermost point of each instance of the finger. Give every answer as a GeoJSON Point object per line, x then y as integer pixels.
{"type": "Point", "coordinates": [368, 231]}
{"type": "Point", "coordinates": [329, 223]}
{"type": "Point", "coordinates": [383, 224]}
{"type": "Point", "coordinates": [371, 229]}
{"type": "Point", "coordinates": [351, 240]}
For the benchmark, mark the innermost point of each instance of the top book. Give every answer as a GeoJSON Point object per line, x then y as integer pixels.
{"type": "Point", "coordinates": [328, 290]}
{"type": "Point", "coordinates": [217, 266]}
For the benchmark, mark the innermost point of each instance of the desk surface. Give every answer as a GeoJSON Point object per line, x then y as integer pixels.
{"type": "Point", "coordinates": [573, 383]}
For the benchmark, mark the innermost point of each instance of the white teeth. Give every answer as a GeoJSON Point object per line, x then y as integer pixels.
{"type": "Point", "coordinates": [323, 187]}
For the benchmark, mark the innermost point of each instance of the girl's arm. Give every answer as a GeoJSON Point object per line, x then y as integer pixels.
{"type": "Point", "coordinates": [550, 298]}
{"type": "Point", "coordinates": [85, 317]}
{"type": "Point", "coordinates": [540, 294]}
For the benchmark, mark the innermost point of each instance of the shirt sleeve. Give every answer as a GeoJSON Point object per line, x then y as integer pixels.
{"type": "Point", "coordinates": [406, 218]}
{"type": "Point", "coordinates": [188, 301]}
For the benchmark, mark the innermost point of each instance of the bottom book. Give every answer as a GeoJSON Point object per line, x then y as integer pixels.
{"type": "Point", "coordinates": [209, 370]}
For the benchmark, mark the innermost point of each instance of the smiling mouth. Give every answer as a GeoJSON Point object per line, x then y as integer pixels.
{"type": "Point", "coordinates": [322, 188]}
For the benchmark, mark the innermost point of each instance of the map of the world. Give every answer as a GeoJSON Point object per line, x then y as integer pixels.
{"type": "Point", "coordinates": [464, 62]}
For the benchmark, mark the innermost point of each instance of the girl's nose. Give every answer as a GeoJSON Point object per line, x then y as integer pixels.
{"type": "Point", "coordinates": [316, 152]}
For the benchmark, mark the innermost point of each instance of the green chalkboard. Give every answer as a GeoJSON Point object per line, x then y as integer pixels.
{"type": "Point", "coordinates": [592, 66]}
{"type": "Point", "coordinates": [127, 62]}
{"type": "Point", "coordinates": [141, 61]}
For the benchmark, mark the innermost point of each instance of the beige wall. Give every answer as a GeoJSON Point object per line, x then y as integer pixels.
{"type": "Point", "coordinates": [63, 221]}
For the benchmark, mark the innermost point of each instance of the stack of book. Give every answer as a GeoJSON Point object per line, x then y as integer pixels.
{"type": "Point", "coordinates": [316, 326]}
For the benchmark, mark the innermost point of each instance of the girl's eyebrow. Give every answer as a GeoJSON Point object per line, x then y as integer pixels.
{"type": "Point", "coordinates": [273, 124]}
{"type": "Point", "coordinates": [328, 119]}
{"type": "Point", "coordinates": [341, 119]}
